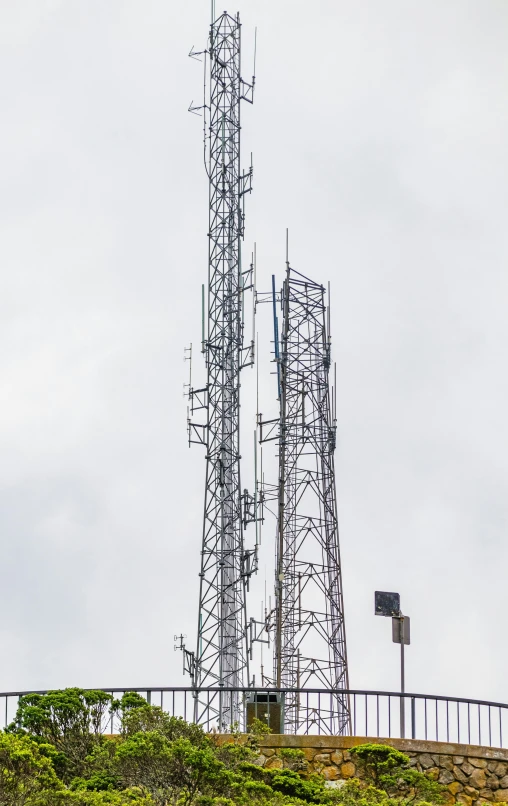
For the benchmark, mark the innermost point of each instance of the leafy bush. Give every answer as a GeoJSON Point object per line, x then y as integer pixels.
{"type": "Point", "coordinates": [67, 798]}
{"type": "Point", "coordinates": [71, 721]}
{"type": "Point", "coordinates": [99, 769]}
{"type": "Point", "coordinates": [259, 728]}
{"type": "Point", "coordinates": [289, 782]}
{"type": "Point", "coordinates": [293, 784]}
{"type": "Point", "coordinates": [355, 793]}
{"type": "Point", "coordinates": [292, 758]}
{"type": "Point", "coordinates": [171, 771]}
{"type": "Point", "coordinates": [55, 754]}
{"type": "Point", "coordinates": [378, 759]}
{"type": "Point", "coordinates": [234, 755]}
{"type": "Point", "coordinates": [24, 771]}
{"type": "Point", "coordinates": [129, 700]}
{"type": "Point", "coordinates": [152, 718]}
{"type": "Point", "coordinates": [388, 769]}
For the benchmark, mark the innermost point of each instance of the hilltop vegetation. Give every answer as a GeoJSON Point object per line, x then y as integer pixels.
{"type": "Point", "coordinates": [55, 753]}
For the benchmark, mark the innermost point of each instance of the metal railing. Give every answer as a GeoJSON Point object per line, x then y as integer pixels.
{"type": "Point", "coordinates": [373, 713]}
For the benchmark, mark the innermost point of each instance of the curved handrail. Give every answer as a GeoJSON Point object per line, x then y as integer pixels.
{"type": "Point", "coordinates": [433, 717]}
{"type": "Point", "coordinates": [270, 689]}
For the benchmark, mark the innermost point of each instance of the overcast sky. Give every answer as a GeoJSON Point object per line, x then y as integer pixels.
{"type": "Point", "coordinates": [379, 134]}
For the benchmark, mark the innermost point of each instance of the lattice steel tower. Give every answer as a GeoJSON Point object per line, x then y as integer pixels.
{"type": "Point", "coordinates": [221, 657]}
{"type": "Point", "coordinates": [308, 617]}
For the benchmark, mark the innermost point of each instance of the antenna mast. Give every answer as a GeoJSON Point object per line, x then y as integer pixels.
{"type": "Point", "coordinates": [308, 618]}
{"type": "Point", "coordinates": [221, 658]}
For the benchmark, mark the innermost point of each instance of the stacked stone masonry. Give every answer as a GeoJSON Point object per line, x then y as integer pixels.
{"type": "Point", "coordinates": [471, 775]}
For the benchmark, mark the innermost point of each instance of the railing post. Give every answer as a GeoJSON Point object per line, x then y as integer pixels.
{"type": "Point", "coordinates": [413, 718]}
{"type": "Point", "coordinates": [402, 684]}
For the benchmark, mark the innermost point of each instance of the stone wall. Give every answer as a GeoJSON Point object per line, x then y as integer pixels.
{"type": "Point", "coordinates": [472, 775]}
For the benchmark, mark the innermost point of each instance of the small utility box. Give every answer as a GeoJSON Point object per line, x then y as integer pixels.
{"type": "Point", "coordinates": [267, 707]}
{"type": "Point", "coordinates": [401, 630]}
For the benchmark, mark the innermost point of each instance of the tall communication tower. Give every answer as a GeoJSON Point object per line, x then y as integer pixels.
{"type": "Point", "coordinates": [308, 617]}
{"type": "Point", "coordinates": [221, 658]}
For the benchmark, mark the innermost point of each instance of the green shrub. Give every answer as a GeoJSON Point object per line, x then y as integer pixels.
{"type": "Point", "coordinates": [378, 759]}
{"type": "Point", "coordinates": [99, 769]}
{"type": "Point", "coordinates": [125, 798]}
{"type": "Point", "coordinates": [24, 771]}
{"type": "Point", "coordinates": [233, 755]}
{"type": "Point", "coordinates": [171, 771]}
{"type": "Point", "coordinates": [356, 793]}
{"type": "Point", "coordinates": [388, 769]}
{"type": "Point", "coordinates": [259, 728]}
{"type": "Point", "coordinates": [70, 720]}
{"type": "Point", "coordinates": [289, 782]}
{"type": "Point", "coordinates": [54, 754]}
{"type": "Point", "coordinates": [292, 758]}
{"type": "Point", "coordinates": [148, 718]}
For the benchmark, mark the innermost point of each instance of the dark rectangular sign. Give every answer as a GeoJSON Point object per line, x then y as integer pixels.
{"type": "Point", "coordinates": [386, 604]}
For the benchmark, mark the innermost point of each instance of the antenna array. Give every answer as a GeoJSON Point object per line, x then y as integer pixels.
{"type": "Point", "coordinates": [307, 622]}
{"type": "Point", "coordinates": [221, 657]}
{"type": "Point", "coordinates": [308, 618]}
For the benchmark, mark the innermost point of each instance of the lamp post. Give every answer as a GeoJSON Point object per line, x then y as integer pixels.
{"type": "Point", "coordinates": [388, 604]}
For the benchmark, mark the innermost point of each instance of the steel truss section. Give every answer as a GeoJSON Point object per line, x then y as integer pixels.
{"type": "Point", "coordinates": [221, 657]}
{"type": "Point", "coordinates": [308, 618]}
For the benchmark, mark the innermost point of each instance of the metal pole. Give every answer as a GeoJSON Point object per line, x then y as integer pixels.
{"type": "Point", "coordinates": [402, 682]}
{"type": "Point", "coordinates": [282, 481]}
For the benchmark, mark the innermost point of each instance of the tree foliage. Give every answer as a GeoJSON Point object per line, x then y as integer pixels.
{"type": "Point", "coordinates": [24, 771]}
{"type": "Point", "coordinates": [152, 718]}
{"type": "Point", "coordinates": [99, 770]}
{"type": "Point", "coordinates": [378, 759]}
{"type": "Point", "coordinates": [85, 798]}
{"type": "Point", "coordinates": [71, 721]}
{"type": "Point", "coordinates": [388, 770]}
{"type": "Point", "coordinates": [56, 753]}
{"type": "Point", "coordinates": [172, 770]}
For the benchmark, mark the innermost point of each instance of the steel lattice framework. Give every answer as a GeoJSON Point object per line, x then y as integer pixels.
{"type": "Point", "coordinates": [308, 618]}
{"type": "Point", "coordinates": [221, 657]}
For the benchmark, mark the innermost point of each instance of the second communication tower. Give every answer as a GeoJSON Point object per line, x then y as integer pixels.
{"type": "Point", "coordinates": [307, 622]}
